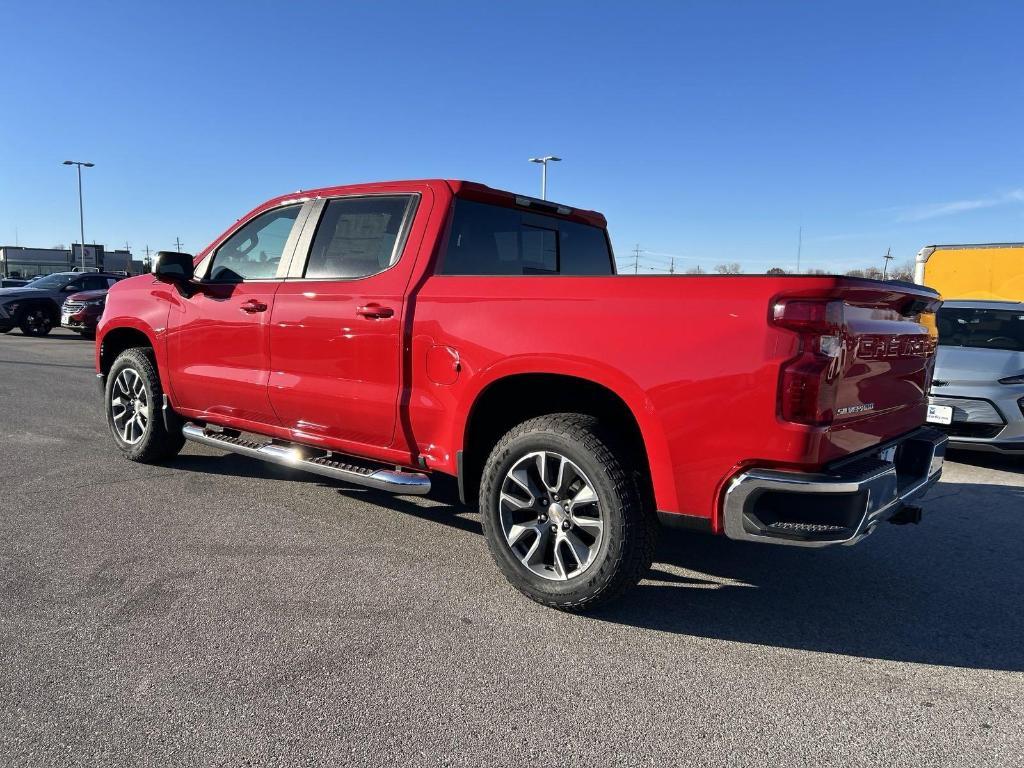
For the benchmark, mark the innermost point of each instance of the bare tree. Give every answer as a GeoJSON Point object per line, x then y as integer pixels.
{"type": "Point", "coordinates": [732, 268]}
{"type": "Point", "coordinates": [776, 271]}
{"type": "Point", "coordinates": [904, 271]}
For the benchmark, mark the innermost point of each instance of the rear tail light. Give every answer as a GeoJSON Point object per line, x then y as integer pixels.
{"type": "Point", "coordinates": [808, 384]}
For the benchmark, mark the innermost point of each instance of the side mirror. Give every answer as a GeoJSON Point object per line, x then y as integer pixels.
{"type": "Point", "coordinates": [72, 288]}
{"type": "Point", "coordinates": [173, 266]}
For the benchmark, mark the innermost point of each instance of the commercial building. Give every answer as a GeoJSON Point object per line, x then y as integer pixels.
{"type": "Point", "coordinates": [16, 261]}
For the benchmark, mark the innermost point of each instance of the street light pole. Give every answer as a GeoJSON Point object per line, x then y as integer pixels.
{"type": "Point", "coordinates": [543, 161]}
{"type": "Point", "coordinates": [81, 209]}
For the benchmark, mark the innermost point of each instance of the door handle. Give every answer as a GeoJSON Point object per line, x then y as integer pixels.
{"type": "Point", "coordinates": [252, 306]}
{"type": "Point", "coordinates": [375, 311]}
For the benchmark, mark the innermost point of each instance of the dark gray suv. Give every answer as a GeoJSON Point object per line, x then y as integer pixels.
{"type": "Point", "coordinates": [35, 308]}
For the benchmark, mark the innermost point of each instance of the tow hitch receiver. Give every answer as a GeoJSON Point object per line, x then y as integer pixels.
{"type": "Point", "coordinates": [907, 514]}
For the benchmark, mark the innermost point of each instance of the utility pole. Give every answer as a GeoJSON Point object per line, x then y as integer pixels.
{"type": "Point", "coordinates": [888, 257]}
{"type": "Point", "coordinates": [799, 247]}
{"type": "Point", "coordinates": [672, 266]}
{"type": "Point", "coordinates": [147, 264]}
{"type": "Point", "coordinates": [177, 244]}
{"type": "Point", "coordinates": [636, 259]}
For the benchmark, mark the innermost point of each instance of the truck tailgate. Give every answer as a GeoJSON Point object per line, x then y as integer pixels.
{"type": "Point", "coordinates": [878, 360]}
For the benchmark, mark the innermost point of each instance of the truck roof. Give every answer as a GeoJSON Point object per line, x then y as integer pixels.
{"type": "Point", "coordinates": [966, 246]}
{"type": "Point", "coordinates": [460, 188]}
{"type": "Point", "coordinates": [982, 304]}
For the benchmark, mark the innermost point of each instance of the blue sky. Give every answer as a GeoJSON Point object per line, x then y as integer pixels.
{"type": "Point", "coordinates": [709, 131]}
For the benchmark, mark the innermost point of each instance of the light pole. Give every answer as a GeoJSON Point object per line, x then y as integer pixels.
{"type": "Point", "coordinates": [544, 172]}
{"type": "Point", "coordinates": [81, 212]}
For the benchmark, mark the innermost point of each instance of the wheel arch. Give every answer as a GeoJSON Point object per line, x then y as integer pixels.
{"type": "Point", "coordinates": [42, 301]}
{"type": "Point", "coordinates": [515, 396]}
{"type": "Point", "coordinates": [117, 340]}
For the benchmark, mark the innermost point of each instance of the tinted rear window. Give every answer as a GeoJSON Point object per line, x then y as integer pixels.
{"type": "Point", "coordinates": [985, 328]}
{"type": "Point", "coordinates": [491, 240]}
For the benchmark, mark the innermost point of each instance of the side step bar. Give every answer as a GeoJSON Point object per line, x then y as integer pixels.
{"type": "Point", "coordinates": [297, 457]}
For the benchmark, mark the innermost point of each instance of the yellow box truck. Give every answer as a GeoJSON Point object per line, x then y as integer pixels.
{"type": "Point", "coordinates": [993, 271]}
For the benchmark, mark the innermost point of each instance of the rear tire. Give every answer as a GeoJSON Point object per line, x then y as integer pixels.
{"type": "Point", "coordinates": [133, 402]}
{"type": "Point", "coordinates": [36, 320]}
{"type": "Point", "coordinates": [576, 533]}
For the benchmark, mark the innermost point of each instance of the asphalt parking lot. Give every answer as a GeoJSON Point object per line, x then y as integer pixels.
{"type": "Point", "coordinates": [217, 610]}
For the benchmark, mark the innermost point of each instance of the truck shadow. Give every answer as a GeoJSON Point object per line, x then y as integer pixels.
{"type": "Point", "coordinates": [946, 592]}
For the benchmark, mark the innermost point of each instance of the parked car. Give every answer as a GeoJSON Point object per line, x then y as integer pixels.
{"type": "Point", "coordinates": [35, 308]}
{"type": "Point", "coordinates": [386, 334]}
{"type": "Point", "coordinates": [977, 394]}
{"type": "Point", "coordinates": [81, 311]}
{"type": "Point", "coordinates": [12, 282]}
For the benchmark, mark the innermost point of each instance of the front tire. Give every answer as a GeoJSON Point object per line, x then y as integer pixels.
{"type": "Point", "coordinates": [133, 399]}
{"type": "Point", "coordinates": [36, 321]}
{"type": "Point", "coordinates": [562, 514]}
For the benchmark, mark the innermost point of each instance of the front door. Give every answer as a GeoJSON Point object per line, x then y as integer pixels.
{"type": "Point", "coordinates": [336, 330]}
{"type": "Point", "coordinates": [217, 342]}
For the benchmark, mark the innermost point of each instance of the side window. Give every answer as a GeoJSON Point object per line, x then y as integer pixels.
{"type": "Point", "coordinates": [491, 240]}
{"type": "Point", "coordinates": [95, 283]}
{"type": "Point", "coordinates": [358, 237]}
{"type": "Point", "coordinates": [255, 250]}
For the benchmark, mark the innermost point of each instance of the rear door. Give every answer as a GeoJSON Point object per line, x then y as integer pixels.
{"type": "Point", "coordinates": [217, 340]}
{"type": "Point", "coordinates": [337, 327]}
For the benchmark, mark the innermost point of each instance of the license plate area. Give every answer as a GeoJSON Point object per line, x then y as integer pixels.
{"type": "Point", "coordinates": [939, 414]}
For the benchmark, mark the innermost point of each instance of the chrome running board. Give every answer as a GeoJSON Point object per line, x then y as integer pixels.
{"type": "Point", "coordinates": [315, 460]}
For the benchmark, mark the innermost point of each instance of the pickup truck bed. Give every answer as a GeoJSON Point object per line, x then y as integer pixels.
{"type": "Point", "coordinates": [384, 334]}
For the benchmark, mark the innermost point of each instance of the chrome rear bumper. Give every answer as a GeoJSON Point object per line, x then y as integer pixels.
{"type": "Point", "coordinates": [840, 505]}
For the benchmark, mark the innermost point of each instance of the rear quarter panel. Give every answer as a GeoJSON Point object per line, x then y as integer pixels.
{"type": "Point", "coordinates": [694, 358]}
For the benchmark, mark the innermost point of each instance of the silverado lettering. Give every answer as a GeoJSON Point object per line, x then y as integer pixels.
{"type": "Point", "coordinates": [880, 347]}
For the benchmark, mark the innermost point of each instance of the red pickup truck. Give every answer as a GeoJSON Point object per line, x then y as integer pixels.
{"type": "Point", "coordinates": [386, 334]}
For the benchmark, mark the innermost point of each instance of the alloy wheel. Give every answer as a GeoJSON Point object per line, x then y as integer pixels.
{"type": "Point", "coordinates": [129, 406]}
{"type": "Point", "coordinates": [551, 516]}
{"type": "Point", "coordinates": [39, 321]}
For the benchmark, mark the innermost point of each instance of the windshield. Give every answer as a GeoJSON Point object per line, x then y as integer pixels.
{"type": "Point", "coordinates": [50, 282]}
{"type": "Point", "coordinates": [985, 328]}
